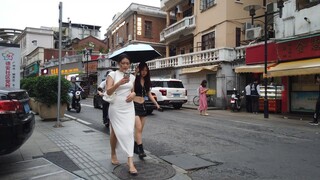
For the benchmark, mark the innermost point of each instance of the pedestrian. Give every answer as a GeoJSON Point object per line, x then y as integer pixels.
{"type": "Point", "coordinates": [121, 111]}
{"type": "Point", "coordinates": [105, 104]}
{"type": "Point", "coordinates": [317, 109]}
{"type": "Point", "coordinates": [203, 103]}
{"type": "Point", "coordinates": [142, 89]}
{"type": "Point", "coordinates": [248, 98]}
{"type": "Point", "coordinates": [255, 94]}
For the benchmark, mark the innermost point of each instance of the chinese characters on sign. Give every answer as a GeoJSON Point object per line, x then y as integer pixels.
{"type": "Point", "coordinates": [10, 66]}
{"type": "Point", "coordinates": [64, 71]}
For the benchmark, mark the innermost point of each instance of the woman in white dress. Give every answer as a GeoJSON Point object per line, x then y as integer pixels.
{"type": "Point", "coordinates": [121, 111]}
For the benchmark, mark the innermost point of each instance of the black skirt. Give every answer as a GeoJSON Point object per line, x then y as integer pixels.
{"type": "Point", "coordinates": [140, 109]}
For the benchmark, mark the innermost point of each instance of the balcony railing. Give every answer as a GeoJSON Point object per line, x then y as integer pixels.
{"type": "Point", "coordinates": [198, 58]}
{"type": "Point", "coordinates": [179, 27]}
{"type": "Point", "coordinates": [64, 60]}
{"type": "Point", "coordinates": [106, 63]}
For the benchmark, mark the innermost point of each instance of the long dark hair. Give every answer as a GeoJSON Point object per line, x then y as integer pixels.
{"type": "Point", "coordinates": [204, 83]}
{"type": "Point", "coordinates": [147, 81]}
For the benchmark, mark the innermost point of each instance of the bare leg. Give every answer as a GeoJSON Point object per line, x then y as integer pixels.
{"type": "Point", "coordinates": [113, 143]}
{"type": "Point", "coordinates": [139, 124]}
{"type": "Point", "coordinates": [132, 168]}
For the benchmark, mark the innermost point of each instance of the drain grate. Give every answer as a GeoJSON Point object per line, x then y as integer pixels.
{"type": "Point", "coordinates": [146, 171]}
{"type": "Point", "coordinates": [88, 131]}
{"type": "Point", "coordinates": [60, 159]}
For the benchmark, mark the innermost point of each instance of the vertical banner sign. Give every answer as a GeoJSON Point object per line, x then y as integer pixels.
{"type": "Point", "coordinates": [10, 67]}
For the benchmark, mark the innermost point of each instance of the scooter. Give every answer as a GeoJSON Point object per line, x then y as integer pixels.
{"type": "Point", "coordinates": [76, 96]}
{"type": "Point", "coordinates": [236, 100]}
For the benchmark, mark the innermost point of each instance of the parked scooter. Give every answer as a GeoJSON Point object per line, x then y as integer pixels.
{"type": "Point", "coordinates": [236, 100]}
{"type": "Point", "coordinates": [75, 103]}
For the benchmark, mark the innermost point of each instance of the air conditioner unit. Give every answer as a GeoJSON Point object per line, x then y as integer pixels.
{"type": "Point", "coordinates": [253, 33]}
{"type": "Point", "coordinates": [129, 37]}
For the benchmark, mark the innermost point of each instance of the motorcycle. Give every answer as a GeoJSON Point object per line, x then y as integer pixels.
{"type": "Point", "coordinates": [236, 100]}
{"type": "Point", "coordinates": [75, 103]}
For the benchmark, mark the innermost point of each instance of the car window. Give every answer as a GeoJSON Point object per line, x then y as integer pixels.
{"type": "Point", "coordinates": [156, 83]}
{"type": "Point", "coordinates": [174, 84]}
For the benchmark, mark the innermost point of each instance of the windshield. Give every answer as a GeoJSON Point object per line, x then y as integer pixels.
{"type": "Point", "coordinates": [169, 84]}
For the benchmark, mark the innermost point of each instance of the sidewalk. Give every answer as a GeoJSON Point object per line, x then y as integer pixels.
{"type": "Point", "coordinates": [79, 149]}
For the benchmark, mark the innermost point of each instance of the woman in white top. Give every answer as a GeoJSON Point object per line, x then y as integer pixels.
{"type": "Point", "coordinates": [121, 111]}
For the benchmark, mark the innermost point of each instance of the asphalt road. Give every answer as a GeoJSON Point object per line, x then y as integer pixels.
{"type": "Point", "coordinates": [247, 146]}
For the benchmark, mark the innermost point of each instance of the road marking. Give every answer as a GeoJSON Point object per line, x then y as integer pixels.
{"type": "Point", "coordinates": [86, 105]}
{"type": "Point", "coordinates": [77, 119]}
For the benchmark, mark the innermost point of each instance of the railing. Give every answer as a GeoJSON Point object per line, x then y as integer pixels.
{"type": "Point", "coordinates": [197, 58]}
{"type": "Point", "coordinates": [106, 63]}
{"type": "Point", "coordinates": [64, 60]}
{"type": "Point", "coordinates": [182, 25]}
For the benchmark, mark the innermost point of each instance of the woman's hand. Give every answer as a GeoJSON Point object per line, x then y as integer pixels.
{"type": "Point", "coordinates": [124, 80]}
{"type": "Point", "coordinates": [130, 97]}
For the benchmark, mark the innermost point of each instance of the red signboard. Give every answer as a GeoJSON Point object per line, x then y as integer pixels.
{"type": "Point", "coordinates": [255, 54]}
{"type": "Point", "coordinates": [299, 49]}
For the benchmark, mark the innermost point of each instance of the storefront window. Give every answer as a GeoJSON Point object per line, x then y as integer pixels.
{"type": "Point", "coordinates": [304, 93]}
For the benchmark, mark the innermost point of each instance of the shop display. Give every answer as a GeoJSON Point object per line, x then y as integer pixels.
{"type": "Point", "coordinates": [274, 98]}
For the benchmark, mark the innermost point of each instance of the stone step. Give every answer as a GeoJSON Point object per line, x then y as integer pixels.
{"type": "Point", "coordinates": [39, 168]}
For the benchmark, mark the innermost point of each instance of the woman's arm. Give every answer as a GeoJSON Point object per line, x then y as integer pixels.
{"type": "Point", "coordinates": [153, 100]}
{"type": "Point", "coordinates": [111, 87]}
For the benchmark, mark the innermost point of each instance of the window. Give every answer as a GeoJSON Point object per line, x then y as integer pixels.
{"type": "Point", "coordinates": [238, 36]}
{"type": "Point", "coordinates": [148, 29]}
{"type": "Point", "coordinates": [302, 4]}
{"type": "Point", "coordinates": [208, 41]}
{"type": "Point", "coordinates": [206, 4]}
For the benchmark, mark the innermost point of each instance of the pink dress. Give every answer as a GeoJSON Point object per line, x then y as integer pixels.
{"type": "Point", "coordinates": [203, 104]}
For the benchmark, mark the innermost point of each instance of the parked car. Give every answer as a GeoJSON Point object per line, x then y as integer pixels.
{"type": "Point", "coordinates": [16, 120]}
{"type": "Point", "coordinates": [169, 92]}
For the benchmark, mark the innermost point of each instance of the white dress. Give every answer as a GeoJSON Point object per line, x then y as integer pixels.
{"type": "Point", "coordinates": [122, 115]}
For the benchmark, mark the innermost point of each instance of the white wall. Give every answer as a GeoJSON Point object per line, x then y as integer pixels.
{"type": "Point", "coordinates": [293, 23]}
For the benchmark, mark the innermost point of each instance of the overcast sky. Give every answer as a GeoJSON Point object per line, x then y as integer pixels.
{"type": "Point", "coordinates": [19, 14]}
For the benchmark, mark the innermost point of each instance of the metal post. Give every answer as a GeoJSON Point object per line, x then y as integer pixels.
{"type": "Point", "coordinates": [58, 123]}
{"type": "Point", "coordinates": [88, 85]}
{"type": "Point", "coordinates": [265, 79]}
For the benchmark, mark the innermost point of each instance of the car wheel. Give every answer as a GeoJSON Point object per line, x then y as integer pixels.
{"type": "Point", "coordinates": [149, 111]}
{"type": "Point", "coordinates": [177, 106]}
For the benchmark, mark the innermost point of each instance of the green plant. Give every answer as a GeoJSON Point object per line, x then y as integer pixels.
{"type": "Point", "coordinates": [29, 85]}
{"type": "Point", "coordinates": [46, 90]}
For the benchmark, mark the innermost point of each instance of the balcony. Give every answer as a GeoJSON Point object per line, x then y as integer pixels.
{"type": "Point", "coordinates": [199, 58]}
{"type": "Point", "coordinates": [183, 27]}
{"type": "Point", "coordinates": [64, 60]}
{"type": "Point", "coordinates": [106, 64]}
{"type": "Point", "coordinates": [166, 5]}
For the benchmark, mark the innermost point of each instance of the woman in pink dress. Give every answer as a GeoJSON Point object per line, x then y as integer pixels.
{"type": "Point", "coordinates": [203, 104]}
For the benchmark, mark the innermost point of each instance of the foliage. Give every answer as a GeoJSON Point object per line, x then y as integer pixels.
{"type": "Point", "coordinates": [46, 90]}
{"type": "Point", "coordinates": [28, 84]}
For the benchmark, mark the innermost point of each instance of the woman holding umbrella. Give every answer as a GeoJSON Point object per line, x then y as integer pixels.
{"type": "Point", "coordinates": [121, 111]}
{"type": "Point", "coordinates": [142, 89]}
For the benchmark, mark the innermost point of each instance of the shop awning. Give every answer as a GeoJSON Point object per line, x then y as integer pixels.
{"type": "Point", "coordinates": [294, 68]}
{"type": "Point", "coordinates": [258, 68]}
{"type": "Point", "coordinates": [198, 69]}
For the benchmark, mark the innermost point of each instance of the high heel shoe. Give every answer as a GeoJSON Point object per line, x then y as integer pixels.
{"type": "Point", "coordinates": [142, 154]}
{"type": "Point", "coordinates": [134, 172]}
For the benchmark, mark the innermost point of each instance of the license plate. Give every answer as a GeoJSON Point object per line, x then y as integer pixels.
{"type": "Point", "coordinates": [176, 95]}
{"type": "Point", "coordinates": [26, 108]}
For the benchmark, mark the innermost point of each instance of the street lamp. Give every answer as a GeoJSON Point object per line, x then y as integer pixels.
{"type": "Point", "coordinates": [252, 9]}
{"type": "Point", "coordinates": [86, 54]}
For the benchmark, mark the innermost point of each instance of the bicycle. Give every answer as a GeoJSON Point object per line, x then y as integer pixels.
{"type": "Point", "coordinates": [210, 100]}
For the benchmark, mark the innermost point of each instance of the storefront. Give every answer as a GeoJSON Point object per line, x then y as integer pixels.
{"type": "Point", "coordinates": [31, 70]}
{"type": "Point", "coordinates": [297, 62]}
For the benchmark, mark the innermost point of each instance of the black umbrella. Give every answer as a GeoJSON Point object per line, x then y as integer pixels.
{"type": "Point", "coordinates": [136, 52]}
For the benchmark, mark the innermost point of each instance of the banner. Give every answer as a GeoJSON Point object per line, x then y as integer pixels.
{"type": "Point", "coordinates": [10, 66]}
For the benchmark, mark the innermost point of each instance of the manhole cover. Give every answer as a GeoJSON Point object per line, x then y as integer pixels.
{"type": "Point", "coordinates": [146, 170]}
{"type": "Point", "coordinates": [187, 161]}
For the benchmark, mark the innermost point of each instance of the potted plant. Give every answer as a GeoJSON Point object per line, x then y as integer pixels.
{"type": "Point", "coordinates": [46, 93]}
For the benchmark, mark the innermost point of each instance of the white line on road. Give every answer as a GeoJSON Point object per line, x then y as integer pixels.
{"type": "Point", "coordinates": [77, 119]}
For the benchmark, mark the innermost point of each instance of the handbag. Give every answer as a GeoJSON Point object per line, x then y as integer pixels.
{"type": "Point", "coordinates": [109, 98]}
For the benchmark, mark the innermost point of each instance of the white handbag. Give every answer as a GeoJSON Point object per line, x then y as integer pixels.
{"type": "Point", "coordinates": [110, 98]}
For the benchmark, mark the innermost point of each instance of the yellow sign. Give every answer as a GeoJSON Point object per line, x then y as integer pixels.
{"type": "Point", "coordinates": [64, 71]}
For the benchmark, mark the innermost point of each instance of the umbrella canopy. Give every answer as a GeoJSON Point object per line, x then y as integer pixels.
{"type": "Point", "coordinates": [136, 52]}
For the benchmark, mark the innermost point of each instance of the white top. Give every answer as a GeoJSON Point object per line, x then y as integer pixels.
{"type": "Point", "coordinates": [248, 90]}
